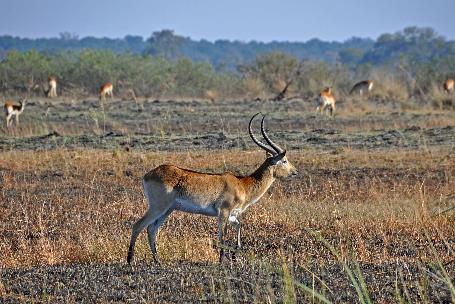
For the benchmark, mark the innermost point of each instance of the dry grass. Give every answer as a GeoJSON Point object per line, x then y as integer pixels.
{"type": "Point", "coordinates": [441, 99]}
{"type": "Point", "coordinates": [389, 87]}
{"type": "Point", "coordinates": [74, 208]}
{"type": "Point", "coordinates": [78, 206]}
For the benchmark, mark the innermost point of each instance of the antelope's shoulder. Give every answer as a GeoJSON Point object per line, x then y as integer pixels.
{"type": "Point", "coordinates": [366, 83]}
{"type": "Point", "coordinates": [326, 95]}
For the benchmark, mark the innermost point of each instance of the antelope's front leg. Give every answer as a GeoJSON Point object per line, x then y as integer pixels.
{"type": "Point", "coordinates": [239, 244]}
{"type": "Point", "coordinates": [233, 218]}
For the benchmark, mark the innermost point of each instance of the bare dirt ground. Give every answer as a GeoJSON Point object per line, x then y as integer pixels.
{"type": "Point", "coordinates": [377, 184]}
{"type": "Point", "coordinates": [200, 125]}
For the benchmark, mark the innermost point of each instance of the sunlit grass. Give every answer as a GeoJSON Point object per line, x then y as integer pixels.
{"type": "Point", "coordinates": [370, 208]}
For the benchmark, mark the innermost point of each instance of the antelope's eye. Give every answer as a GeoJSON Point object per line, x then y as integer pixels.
{"type": "Point", "coordinates": [285, 161]}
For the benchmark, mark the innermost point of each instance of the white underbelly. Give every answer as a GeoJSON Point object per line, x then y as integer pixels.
{"type": "Point", "coordinates": [191, 207]}
{"type": "Point", "coordinates": [327, 102]}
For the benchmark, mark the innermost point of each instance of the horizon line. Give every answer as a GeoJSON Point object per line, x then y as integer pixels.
{"type": "Point", "coordinates": [189, 37]}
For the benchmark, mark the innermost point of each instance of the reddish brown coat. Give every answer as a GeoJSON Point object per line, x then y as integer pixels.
{"type": "Point", "coordinates": [106, 90]}
{"type": "Point", "coordinates": [449, 85]}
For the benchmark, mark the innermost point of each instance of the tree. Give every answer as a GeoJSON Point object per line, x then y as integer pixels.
{"type": "Point", "coordinates": [165, 44]}
{"type": "Point", "coordinates": [351, 56]}
{"type": "Point", "coordinates": [135, 43]}
{"type": "Point", "coordinates": [418, 44]}
{"type": "Point", "coordinates": [68, 36]}
{"type": "Point", "coordinates": [275, 70]}
{"type": "Point", "coordinates": [24, 71]}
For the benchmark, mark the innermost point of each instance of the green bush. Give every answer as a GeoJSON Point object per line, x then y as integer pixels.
{"type": "Point", "coordinates": [23, 71]}
{"type": "Point", "coordinates": [265, 77]}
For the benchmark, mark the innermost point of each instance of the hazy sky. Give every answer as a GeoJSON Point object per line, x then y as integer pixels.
{"type": "Point", "coordinates": [262, 20]}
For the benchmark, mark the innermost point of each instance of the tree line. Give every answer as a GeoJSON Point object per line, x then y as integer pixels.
{"type": "Point", "coordinates": [409, 63]}
{"type": "Point", "coordinates": [222, 54]}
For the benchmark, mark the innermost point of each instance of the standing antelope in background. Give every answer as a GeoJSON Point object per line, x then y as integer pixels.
{"type": "Point", "coordinates": [361, 87]}
{"type": "Point", "coordinates": [449, 85]}
{"type": "Point", "coordinates": [52, 82]}
{"type": "Point", "coordinates": [326, 99]}
{"type": "Point", "coordinates": [106, 89]}
{"type": "Point", "coordinates": [13, 110]}
{"type": "Point", "coordinates": [226, 196]}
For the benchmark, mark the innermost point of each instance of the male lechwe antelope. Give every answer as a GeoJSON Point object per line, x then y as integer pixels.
{"type": "Point", "coordinates": [52, 82]}
{"type": "Point", "coordinates": [449, 85]}
{"type": "Point", "coordinates": [226, 196]}
{"type": "Point", "coordinates": [13, 110]}
{"type": "Point", "coordinates": [362, 87]}
{"type": "Point", "coordinates": [326, 99]}
{"type": "Point", "coordinates": [106, 90]}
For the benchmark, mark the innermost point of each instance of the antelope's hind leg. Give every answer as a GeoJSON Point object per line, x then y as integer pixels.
{"type": "Point", "coordinates": [149, 218]}
{"type": "Point", "coordinates": [8, 120]}
{"type": "Point", "coordinates": [222, 227]}
{"type": "Point", "coordinates": [152, 229]}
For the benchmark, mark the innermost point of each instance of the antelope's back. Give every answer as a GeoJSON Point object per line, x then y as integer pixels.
{"type": "Point", "coordinates": [192, 185]}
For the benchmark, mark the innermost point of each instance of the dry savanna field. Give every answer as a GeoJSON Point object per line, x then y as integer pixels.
{"type": "Point", "coordinates": [369, 218]}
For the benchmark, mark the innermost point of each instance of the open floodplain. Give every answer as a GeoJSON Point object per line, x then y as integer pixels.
{"type": "Point", "coordinates": [370, 215]}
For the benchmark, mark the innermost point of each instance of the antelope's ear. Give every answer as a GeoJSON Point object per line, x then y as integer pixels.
{"type": "Point", "coordinates": [278, 157]}
{"type": "Point", "coordinates": [268, 154]}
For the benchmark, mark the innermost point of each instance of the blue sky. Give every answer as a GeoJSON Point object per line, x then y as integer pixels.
{"type": "Point", "coordinates": [262, 20]}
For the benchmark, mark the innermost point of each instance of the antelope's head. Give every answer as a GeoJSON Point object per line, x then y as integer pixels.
{"type": "Point", "coordinates": [276, 156]}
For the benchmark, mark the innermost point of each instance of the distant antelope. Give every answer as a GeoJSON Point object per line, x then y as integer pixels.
{"type": "Point", "coordinates": [106, 90]}
{"type": "Point", "coordinates": [449, 85]}
{"type": "Point", "coordinates": [226, 196]}
{"type": "Point", "coordinates": [52, 82]}
{"type": "Point", "coordinates": [326, 99]}
{"type": "Point", "coordinates": [362, 87]}
{"type": "Point", "coordinates": [13, 110]}
{"type": "Point", "coordinates": [211, 95]}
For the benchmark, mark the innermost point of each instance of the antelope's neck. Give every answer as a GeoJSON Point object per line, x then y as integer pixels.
{"type": "Point", "coordinates": [258, 183]}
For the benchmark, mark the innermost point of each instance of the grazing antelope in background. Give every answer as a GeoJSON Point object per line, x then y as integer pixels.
{"type": "Point", "coordinates": [52, 91]}
{"type": "Point", "coordinates": [326, 99]}
{"type": "Point", "coordinates": [13, 110]}
{"type": "Point", "coordinates": [226, 196]}
{"type": "Point", "coordinates": [361, 87]}
{"type": "Point", "coordinates": [211, 95]}
{"type": "Point", "coordinates": [449, 85]}
{"type": "Point", "coordinates": [106, 89]}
